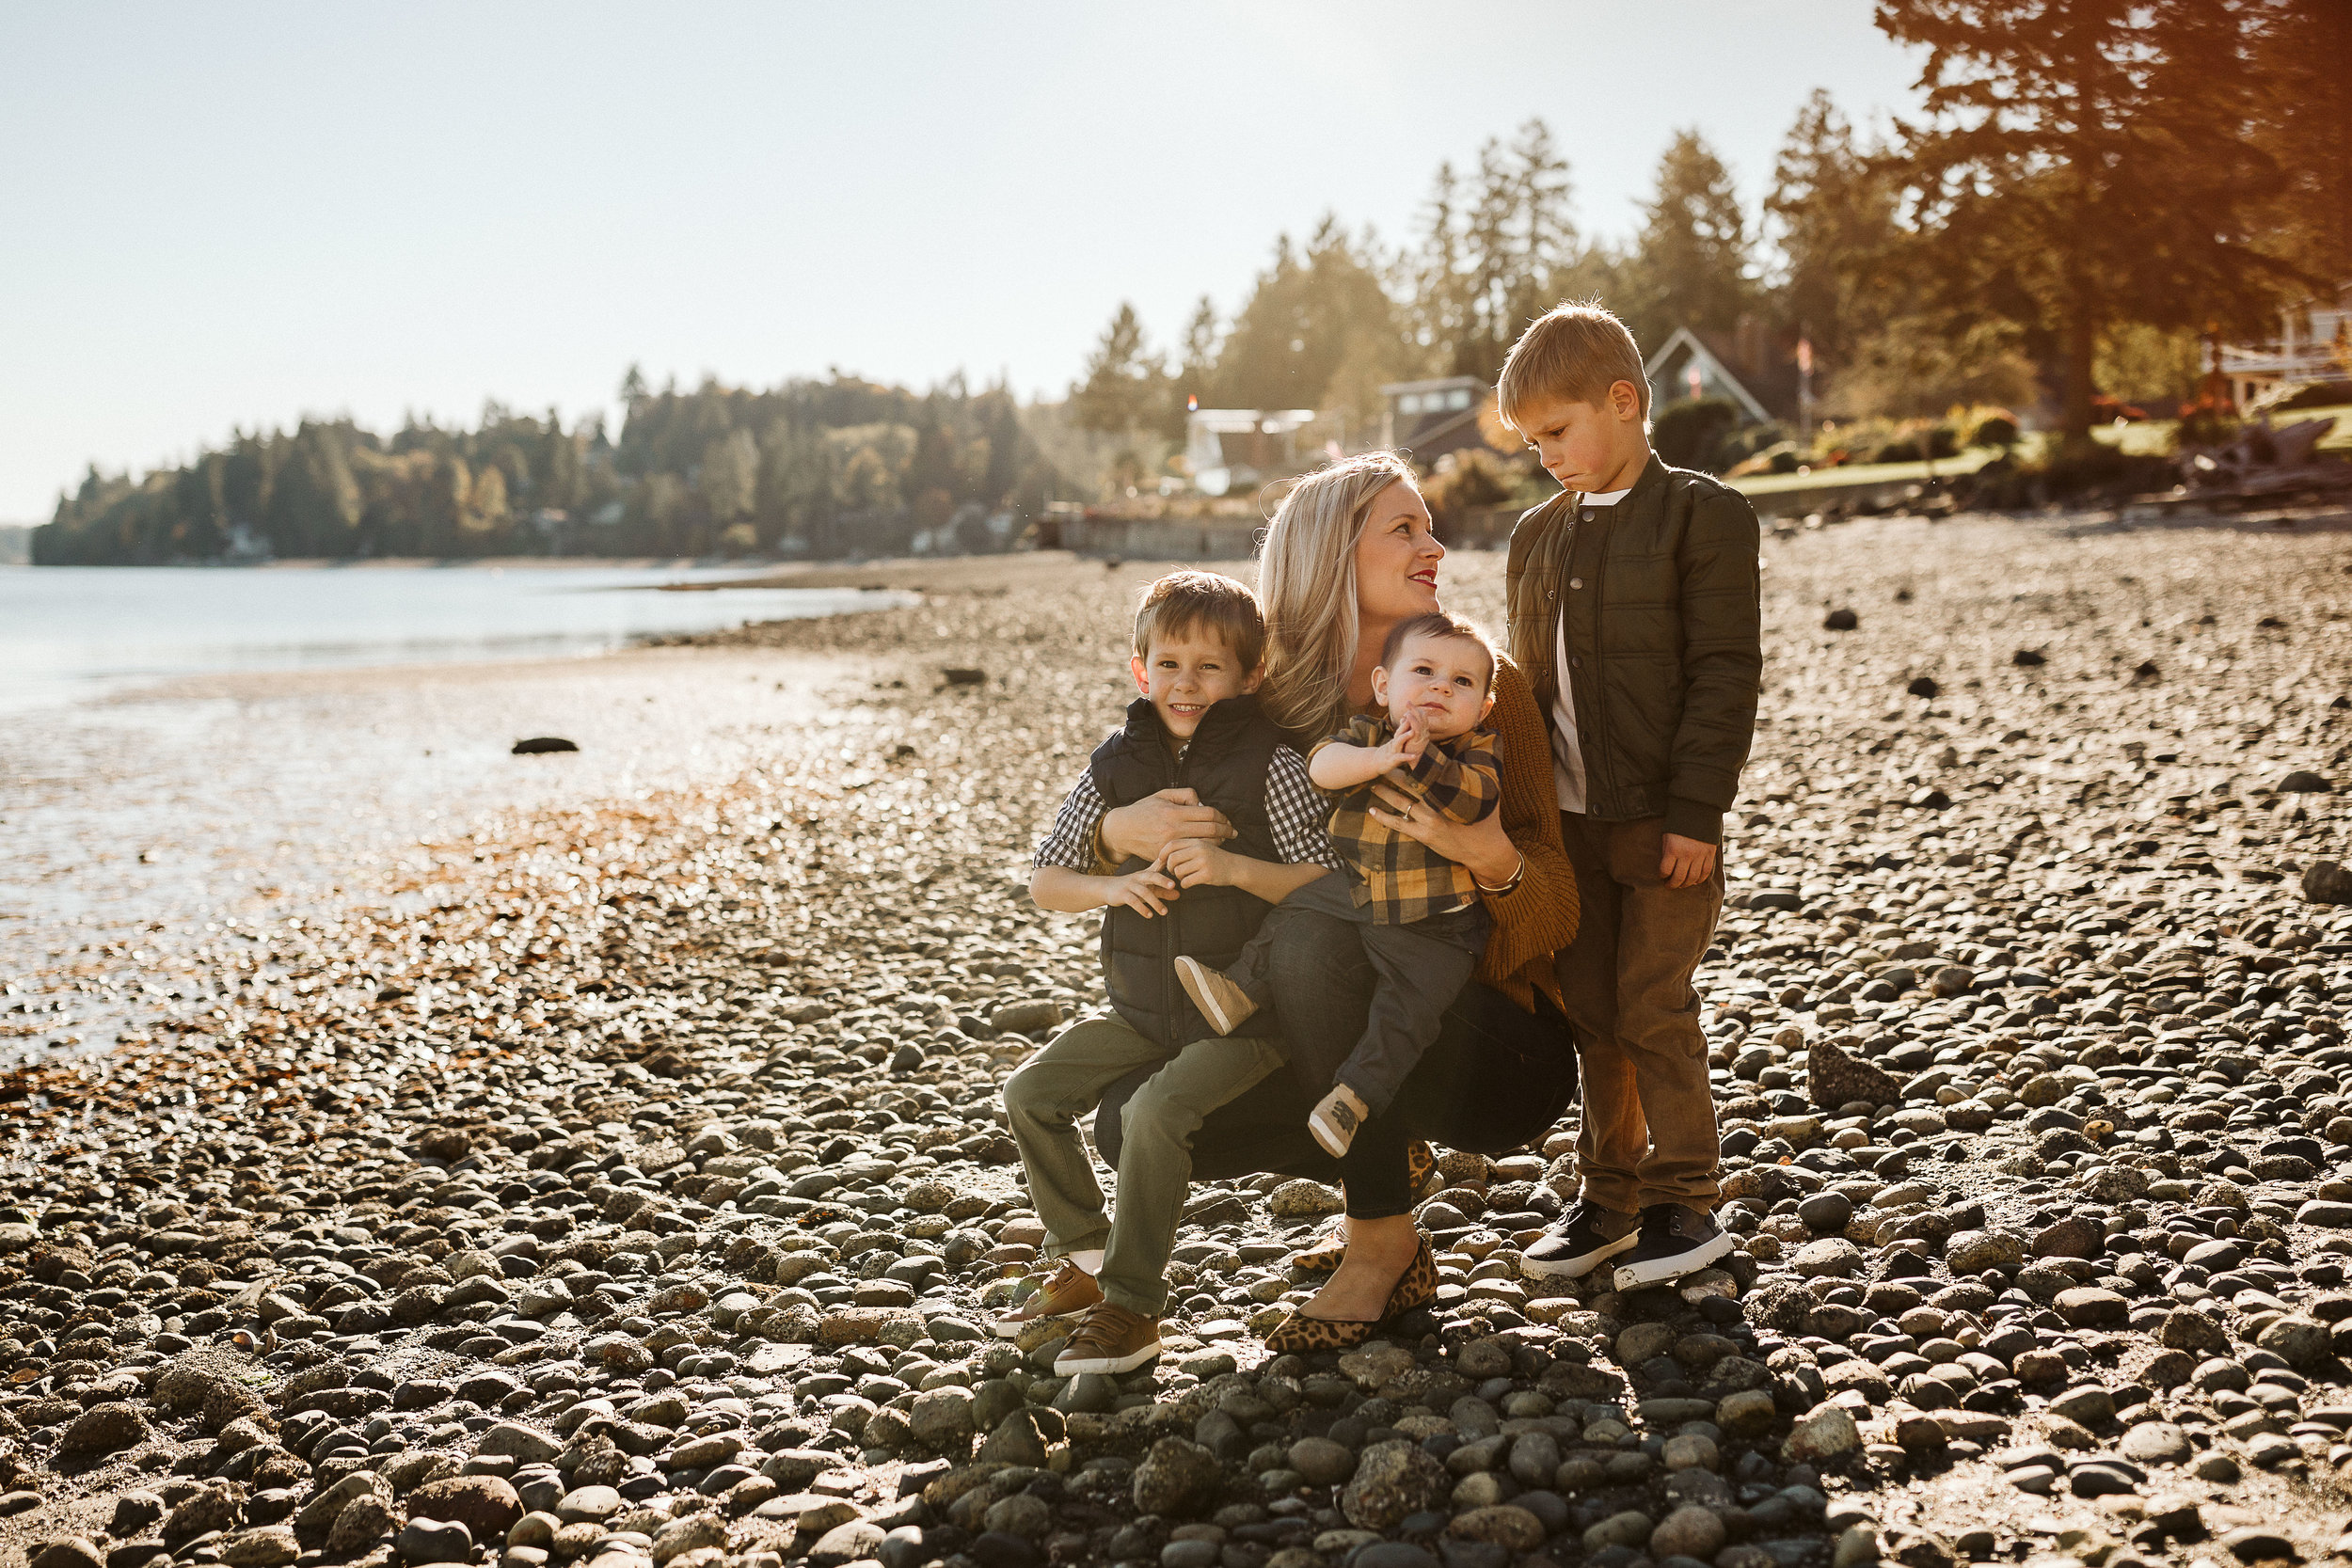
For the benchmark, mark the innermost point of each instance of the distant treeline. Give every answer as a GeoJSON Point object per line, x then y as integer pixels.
{"type": "Point", "coordinates": [815, 467]}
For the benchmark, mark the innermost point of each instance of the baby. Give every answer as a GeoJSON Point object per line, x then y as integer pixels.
{"type": "Point", "coordinates": [1422, 926]}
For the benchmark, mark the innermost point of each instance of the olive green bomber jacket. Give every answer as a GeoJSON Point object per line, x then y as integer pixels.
{"type": "Point", "coordinates": [1662, 599]}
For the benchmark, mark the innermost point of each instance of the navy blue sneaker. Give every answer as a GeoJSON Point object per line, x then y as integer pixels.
{"type": "Point", "coordinates": [1585, 1236]}
{"type": "Point", "coordinates": [1675, 1240]}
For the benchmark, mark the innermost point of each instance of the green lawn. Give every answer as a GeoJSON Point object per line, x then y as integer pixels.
{"type": "Point", "coordinates": [1866, 473]}
{"type": "Point", "coordinates": [2147, 437]}
{"type": "Point", "coordinates": [2154, 436]}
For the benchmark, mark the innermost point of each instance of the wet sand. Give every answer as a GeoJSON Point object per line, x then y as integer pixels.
{"type": "Point", "coordinates": [134, 826]}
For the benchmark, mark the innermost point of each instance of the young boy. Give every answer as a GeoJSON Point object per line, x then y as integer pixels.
{"type": "Point", "coordinates": [1200, 643]}
{"type": "Point", "coordinates": [1633, 604]}
{"type": "Point", "coordinates": [1423, 924]}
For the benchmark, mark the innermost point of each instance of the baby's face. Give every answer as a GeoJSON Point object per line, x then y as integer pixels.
{"type": "Point", "coordinates": [1183, 674]}
{"type": "Point", "coordinates": [1440, 680]}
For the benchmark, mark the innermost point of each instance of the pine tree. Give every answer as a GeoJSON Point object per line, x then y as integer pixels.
{"type": "Point", "coordinates": [728, 479]}
{"type": "Point", "coordinates": [1195, 381]}
{"type": "Point", "coordinates": [2302, 52]}
{"type": "Point", "coordinates": [1305, 317]}
{"type": "Point", "coordinates": [1493, 258]}
{"type": "Point", "coordinates": [2082, 164]}
{"type": "Point", "coordinates": [1122, 389]}
{"type": "Point", "coordinates": [1004, 440]}
{"type": "Point", "coordinates": [1833, 214]}
{"type": "Point", "coordinates": [1690, 264]}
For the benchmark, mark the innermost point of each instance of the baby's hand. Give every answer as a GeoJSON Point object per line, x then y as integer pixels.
{"type": "Point", "coordinates": [1198, 863]}
{"type": "Point", "coordinates": [1148, 891]}
{"type": "Point", "coordinates": [1410, 741]}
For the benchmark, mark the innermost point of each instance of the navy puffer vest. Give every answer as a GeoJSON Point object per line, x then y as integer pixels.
{"type": "Point", "coordinates": [1226, 764]}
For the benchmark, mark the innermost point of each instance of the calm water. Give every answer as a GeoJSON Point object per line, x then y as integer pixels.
{"type": "Point", "coordinates": [67, 632]}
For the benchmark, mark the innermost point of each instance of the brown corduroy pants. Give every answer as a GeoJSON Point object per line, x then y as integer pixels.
{"type": "Point", "coordinates": [1648, 1129]}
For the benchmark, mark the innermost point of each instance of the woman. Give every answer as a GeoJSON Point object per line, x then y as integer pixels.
{"type": "Point", "coordinates": [1350, 554]}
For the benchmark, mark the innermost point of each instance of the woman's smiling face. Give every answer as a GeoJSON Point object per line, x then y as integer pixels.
{"type": "Point", "coordinates": [1396, 557]}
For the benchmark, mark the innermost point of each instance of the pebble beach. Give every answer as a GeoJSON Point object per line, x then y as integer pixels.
{"type": "Point", "coordinates": [615, 1176]}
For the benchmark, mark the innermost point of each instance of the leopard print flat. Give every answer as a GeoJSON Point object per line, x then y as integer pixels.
{"type": "Point", "coordinates": [1421, 1174]}
{"type": "Point", "coordinates": [1300, 1335]}
{"type": "Point", "coordinates": [1322, 1257]}
{"type": "Point", "coordinates": [1420, 1170]}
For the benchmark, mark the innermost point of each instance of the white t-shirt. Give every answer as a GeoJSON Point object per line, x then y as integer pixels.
{"type": "Point", "coordinates": [1567, 751]}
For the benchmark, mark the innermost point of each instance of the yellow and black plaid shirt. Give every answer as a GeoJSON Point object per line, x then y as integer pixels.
{"type": "Point", "coordinates": [1402, 878]}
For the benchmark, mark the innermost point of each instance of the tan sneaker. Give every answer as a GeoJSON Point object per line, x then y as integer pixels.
{"type": "Point", "coordinates": [1070, 1290]}
{"type": "Point", "coordinates": [1110, 1340]}
{"type": "Point", "coordinates": [1335, 1119]}
{"type": "Point", "coordinates": [1224, 1003]}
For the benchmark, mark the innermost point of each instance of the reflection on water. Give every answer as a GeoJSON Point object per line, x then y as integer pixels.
{"type": "Point", "coordinates": [72, 631]}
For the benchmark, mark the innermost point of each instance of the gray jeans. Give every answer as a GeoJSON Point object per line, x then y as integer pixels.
{"type": "Point", "coordinates": [1044, 1102]}
{"type": "Point", "coordinates": [1417, 970]}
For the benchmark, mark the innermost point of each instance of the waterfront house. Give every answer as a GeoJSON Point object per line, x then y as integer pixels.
{"type": "Point", "coordinates": [1232, 450]}
{"type": "Point", "coordinates": [2314, 343]}
{"type": "Point", "coordinates": [1430, 418]}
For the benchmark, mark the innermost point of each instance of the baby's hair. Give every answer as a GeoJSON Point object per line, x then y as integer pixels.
{"type": "Point", "coordinates": [1576, 352]}
{"type": "Point", "coordinates": [1438, 624]}
{"type": "Point", "coordinates": [1184, 602]}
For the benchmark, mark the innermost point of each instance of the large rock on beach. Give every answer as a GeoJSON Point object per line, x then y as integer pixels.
{"type": "Point", "coordinates": [1835, 1078]}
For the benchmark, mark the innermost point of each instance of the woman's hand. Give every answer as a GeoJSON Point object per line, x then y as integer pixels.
{"type": "Point", "coordinates": [1144, 830]}
{"type": "Point", "coordinates": [1199, 863]}
{"type": "Point", "coordinates": [1481, 848]}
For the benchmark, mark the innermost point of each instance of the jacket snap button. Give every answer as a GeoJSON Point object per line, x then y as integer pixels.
{"type": "Point", "coordinates": [1576, 582]}
{"type": "Point", "coordinates": [1587, 515]}
{"type": "Point", "coordinates": [1576, 662]}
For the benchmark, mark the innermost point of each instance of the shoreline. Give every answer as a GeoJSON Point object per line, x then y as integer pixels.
{"type": "Point", "coordinates": [134, 819]}
{"type": "Point", "coordinates": [681, 1097]}
{"type": "Point", "coordinates": [758, 573]}
{"type": "Point", "coordinates": [412, 562]}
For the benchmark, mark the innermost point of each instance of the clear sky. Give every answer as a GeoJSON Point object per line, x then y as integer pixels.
{"type": "Point", "coordinates": [224, 214]}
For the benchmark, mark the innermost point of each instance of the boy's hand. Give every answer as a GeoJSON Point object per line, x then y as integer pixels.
{"type": "Point", "coordinates": [1198, 863]}
{"type": "Point", "coordinates": [1687, 862]}
{"type": "Point", "coordinates": [1148, 891]}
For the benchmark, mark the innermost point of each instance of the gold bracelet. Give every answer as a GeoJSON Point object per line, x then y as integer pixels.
{"type": "Point", "coordinates": [1510, 885]}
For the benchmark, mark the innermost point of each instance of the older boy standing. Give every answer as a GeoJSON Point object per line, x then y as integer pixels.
{"type": "Point", "coordinates": [1635, 605]}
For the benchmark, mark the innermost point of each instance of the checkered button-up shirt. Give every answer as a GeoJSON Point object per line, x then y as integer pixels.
{"type": "Point", "coordinates": [1294, 809]}
{"type": "Point", "coordinates": [1402, 878]}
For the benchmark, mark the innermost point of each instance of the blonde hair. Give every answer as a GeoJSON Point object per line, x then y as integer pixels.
{"type": "Point", "coordinates": [1307, 581]}
{"type": "Point", "coordinates": [1576, 352]}
{"type": "Point", "coordinates": [1184, 602]}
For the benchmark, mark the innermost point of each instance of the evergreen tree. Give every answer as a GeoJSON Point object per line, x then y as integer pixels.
{"type": "Point", "coordinates": [1834, 213]}
{"type": "Point", "coordinates": [314, 505]}
{"type": "Point", "coordinates": [2302, 53]}
{"type": "Point", "coordinates": [1302, 320]}
{"type": "Point", "coordinates": [1491, 258]}
{"type": "Point", "coordinates": [729, 477]}
{"type": "Point", "coordinates": [1195, 381]}
{"type": "Point", "coordinates": [1690, 264]}
{"type": "Point", "coordinates": [934, 465]}
{"type": "Point", "coordinates": [1005, 442]}
{"type": "Point", "coordinates": [2082, 164]}
{"type": "Point", "coordinates": [1122, 389]}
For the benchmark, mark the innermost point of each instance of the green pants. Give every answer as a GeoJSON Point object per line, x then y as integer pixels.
{"type": "Point", "coordinates": [1061, 1083]}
